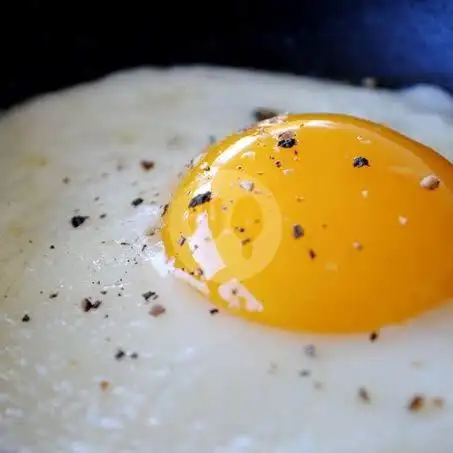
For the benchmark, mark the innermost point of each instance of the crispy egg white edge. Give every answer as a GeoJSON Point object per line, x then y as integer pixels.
{"type": "Point", "coordinates": [201, 383]}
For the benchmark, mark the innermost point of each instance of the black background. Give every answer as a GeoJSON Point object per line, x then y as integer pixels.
{"type": "Point", "coordinates": [46, 45]}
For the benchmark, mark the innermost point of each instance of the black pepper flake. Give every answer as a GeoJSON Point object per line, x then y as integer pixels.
{"type": "Point", "coordinates": [147, 164]}
{"type": "Point", "coordinates": [304, 373]}
{"type": "Point", "coordinates": [312, 254]}
{"type": "Point", "coordinates": [88, 305]}
{"type": "Point", "coordinates": [364, 395]}
{"type": "Point", "coordinates": [181, 241]}
{"type": "Point", "coordinates": [213, 311]}
{"type": "Point", "coordinates": [138, 201]}
{"type": "Point", "coordinates": [374, 336]}
{"type": "Point", "coordinates": [103, 216]}
{"type": "Point", "coordinates": [298, 231]}
{"type": "Point", "coordinates": [416, 403]}
{"type": "Point", "coordinates": [53, 295]}
{"type": "Point", "coordinates": [246, 241]}
{"type": "Point", "coordinates": [150, 295]}
{"type": "Point", "coordinates": [430, 182]}
{"type": "Point", "coordinates": [263, 113]}
{"type": "Point", "coordinates": [164, 209]}
{"type": "Point", "coordinates": [104, 292]}
{"type": "Point", "coordinates": [26, 318]}
{"type": "Point", "coordinates": [78, 220]}
{"type": "Point", "coordinates": [66, 180]}
{"type": "Point", "coordinates": [52, 247]}
{"type": "Point", "coordinates": [200, 199]}
{"type": "Point", "coordinates": [211, 139]}
{"type": "Point", "coordinates": [438, 402]}
{"type": "Point", "coordinates": [151, 231]}
{"type": "Point", "coordinates": [134, 355]}
{"type": "Point", "coordinates": [278, 164]}
{"type": "Point", "coordinates": [157, 310]}
{"type": "Point", "coordinates": [360, 162]}
{"type": "Point", "coordinates": [287, 142]}
{"type": "Point", "coordinates": [310, 350]}
{"type": "Point", "coordinates": [357, 245]}
{"type": "Point", "coordinates": [273, 368]}
{"type": "Point", "coordinates": [120, 354]}
{"type": "Point", "coordinates": [247, 185]}
{"type": "Point", "coordinates": [318, 385]}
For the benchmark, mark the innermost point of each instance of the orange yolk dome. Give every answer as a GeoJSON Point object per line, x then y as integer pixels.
{"type": "Point", "coordinates": [316, 222]}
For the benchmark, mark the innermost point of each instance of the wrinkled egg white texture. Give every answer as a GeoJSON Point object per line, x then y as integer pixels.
{"type": "Point", "coordinates": [199, 383]}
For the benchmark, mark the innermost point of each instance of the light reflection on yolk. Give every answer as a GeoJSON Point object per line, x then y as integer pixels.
{"type": "Point", "coordinates": [318, 222]}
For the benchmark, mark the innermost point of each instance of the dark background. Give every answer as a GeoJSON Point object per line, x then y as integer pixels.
{"type": "Point", "coordinates": [46, 45]}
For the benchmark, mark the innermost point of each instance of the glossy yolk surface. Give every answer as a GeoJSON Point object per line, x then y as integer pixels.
{"type": "Point", "coordinates": [317, 222]}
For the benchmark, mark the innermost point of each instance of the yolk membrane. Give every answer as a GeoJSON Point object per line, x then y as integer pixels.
{"type": "Point", "coordinates": [317, 222]}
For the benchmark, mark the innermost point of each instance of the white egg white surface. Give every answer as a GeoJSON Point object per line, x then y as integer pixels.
{"type": "Point", "coordinates": [201, 383]}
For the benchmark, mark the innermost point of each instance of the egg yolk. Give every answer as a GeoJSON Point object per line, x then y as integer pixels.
{"type": "Point", "coordinates": [317, 222]}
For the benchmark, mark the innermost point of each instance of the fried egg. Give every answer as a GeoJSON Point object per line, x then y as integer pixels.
{"type": "Point", "coordinates": [285, 290]}
{"type": "Point", "coordinates": [312, 222]}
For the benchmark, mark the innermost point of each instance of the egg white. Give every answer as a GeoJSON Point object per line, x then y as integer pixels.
{"type": "Point", "coordinates": [201, 383]}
